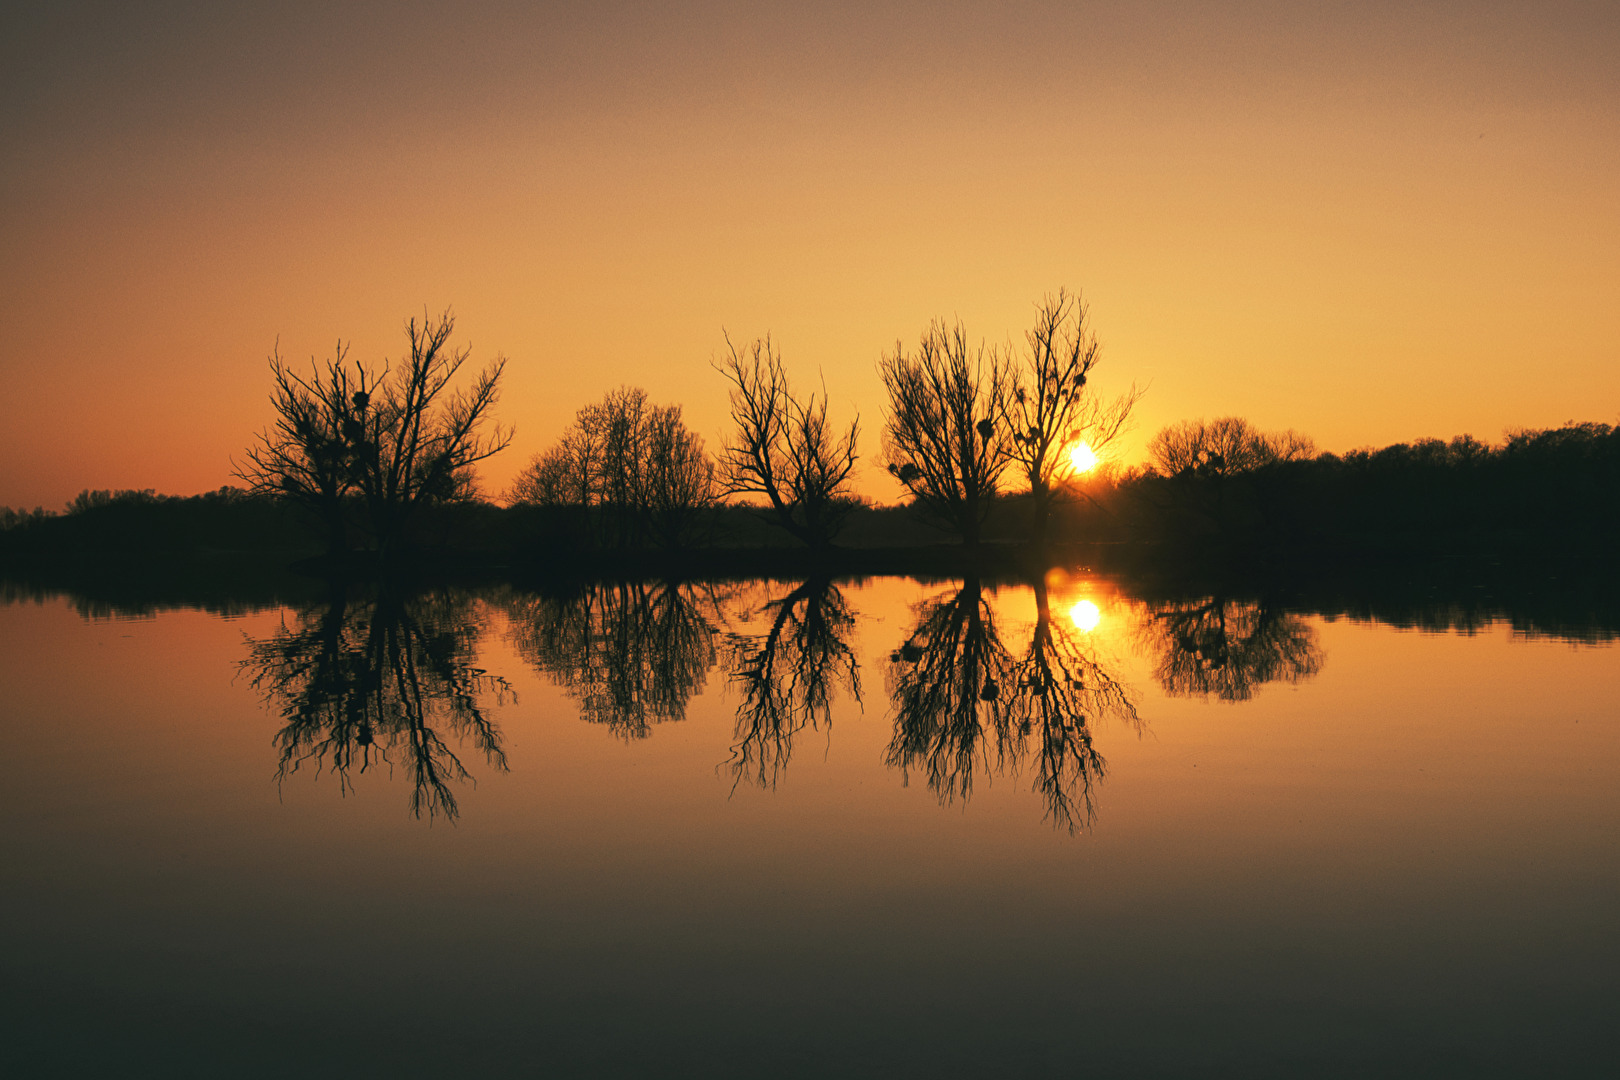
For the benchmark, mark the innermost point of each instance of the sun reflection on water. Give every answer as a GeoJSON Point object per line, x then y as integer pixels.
{"type": "Point", "coordinates": [1085, 615]}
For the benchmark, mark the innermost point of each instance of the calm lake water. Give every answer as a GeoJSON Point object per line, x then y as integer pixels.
{"type": "Point", "coordinates": [882, 828]}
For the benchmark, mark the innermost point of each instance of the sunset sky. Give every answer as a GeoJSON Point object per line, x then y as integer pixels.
{"type": "Point", "coordinates": [1369, 222]}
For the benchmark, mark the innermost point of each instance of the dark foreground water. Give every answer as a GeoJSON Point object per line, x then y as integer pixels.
{"type": "Point", "coordinates": [868, 829]}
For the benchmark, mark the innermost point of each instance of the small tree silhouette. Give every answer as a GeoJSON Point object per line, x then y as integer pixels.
{"type": "Point", "coordinates": [1223, 447]}
{"type": "Point", "coordinates": [1212, 464]}
{"type": "Point", "coordinates": [634, 468]}
{"type": "Point", "coordinates": [1217, 647]}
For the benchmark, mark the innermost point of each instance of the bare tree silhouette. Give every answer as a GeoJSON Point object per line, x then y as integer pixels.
{"type": "Point", "coordinates": [679, 477]}
{"type": "Point", "coordinates": [1223, 447]}
{"type": "Point", "coordinates": [942, 439]}
{"type": "Point", "coordinates": [1049, 409]}
{"type": "Point", "coordinates": [390, 442]}
{"type": "Point", "coordinates": [633, 467]}
{"type": "Point", "coordinates": [783, 448]}
{"type": "Point", "coordinates": [376, 679]}
{"type": "Point", "coordinates": [788, 677]}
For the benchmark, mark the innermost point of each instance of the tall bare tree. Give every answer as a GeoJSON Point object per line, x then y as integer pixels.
{"type": "Point", "coordinates": [1050, 410]}
{"type": "Point", "coordinates": [965, 704]}
{"type": "Point", "coordinates": [388, 443]}
{"type": "Point", "coordinates": [1061, 691]}
{"type": "Point", "coordinates": [782, 447]}
{"type": "Point", "coordinates": [943, 440]}
{"type": "Point", "coordinates": [419, 440]}
{"type": "Point", "coordinates": [946, 683]}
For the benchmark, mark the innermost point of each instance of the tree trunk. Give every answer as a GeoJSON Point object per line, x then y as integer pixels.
{"type": "Point", "coordinates": [1040, 517]}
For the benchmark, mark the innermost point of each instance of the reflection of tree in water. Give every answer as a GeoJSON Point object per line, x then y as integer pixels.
{"type": "Point", "coordinates": [963, 703]}
{"type": "Point", "coordinates": [1062, 688]}
{"type": "Point", "coordinates": [378, 679]}
{"type": "Point", "coordinates": [631, 653]}
{"type": "Point", "coordinates": [788, 675]}
{"type": "Point", "coordinates": [1227, 649]}
{"type": "Point", "coordinates": [949, 671]}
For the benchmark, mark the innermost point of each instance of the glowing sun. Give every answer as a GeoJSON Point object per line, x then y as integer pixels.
{"type": "Point", "coordinates": [1083, 457]}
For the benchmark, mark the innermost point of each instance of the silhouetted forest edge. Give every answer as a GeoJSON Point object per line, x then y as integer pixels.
{"type": "Point", "coordinates": [1540, 495]}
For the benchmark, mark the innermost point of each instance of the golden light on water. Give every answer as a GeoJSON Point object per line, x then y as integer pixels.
{"type": "Point", "coordinates": [1086, 616]}
{"type": "Point", "coordinates": [1083, 457]}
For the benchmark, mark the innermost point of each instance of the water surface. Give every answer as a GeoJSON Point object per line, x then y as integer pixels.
{"type": "Point", "coordinates": [879, 828]}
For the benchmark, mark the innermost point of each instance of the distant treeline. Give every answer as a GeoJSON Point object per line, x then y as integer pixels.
{"type": "Point", "coordinates": [1235, 489]}
{"type": "Point", "coordinates": [146, 523]}
{"type": "Point", "coordinates": [1559, 486]}
{"type": "Point", "coordinates": [232, 521]}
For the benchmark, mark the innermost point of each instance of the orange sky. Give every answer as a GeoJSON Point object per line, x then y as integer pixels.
{"type": "Point", "coordinates": [1370, 222]}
